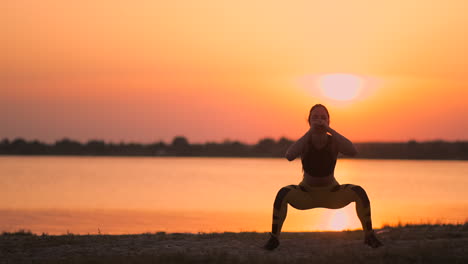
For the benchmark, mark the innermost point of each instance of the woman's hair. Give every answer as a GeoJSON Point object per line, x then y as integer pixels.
{"type": "Point", "coordinates": [312, 109]}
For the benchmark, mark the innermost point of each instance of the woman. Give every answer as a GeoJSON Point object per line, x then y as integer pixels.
{"type": "Point", "coordinates": [318, 149]}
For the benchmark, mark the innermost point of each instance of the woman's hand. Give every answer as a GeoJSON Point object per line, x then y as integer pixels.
{"type": "Point", "coordinates": [320, 125]}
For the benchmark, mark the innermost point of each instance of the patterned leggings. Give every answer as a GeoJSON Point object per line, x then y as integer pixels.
{"type": "Point", "coordinates": [334, 196]}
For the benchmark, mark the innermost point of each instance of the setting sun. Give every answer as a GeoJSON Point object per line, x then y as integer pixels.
{"type": "Point", "coordinates": [342, 87]}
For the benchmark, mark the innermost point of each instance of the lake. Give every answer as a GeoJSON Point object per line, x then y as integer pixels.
{"type": "Point", "coordinates": [118, 195]}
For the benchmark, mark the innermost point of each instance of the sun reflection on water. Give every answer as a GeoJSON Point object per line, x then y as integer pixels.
{"type": "Point", "coordinates": [338, 220]}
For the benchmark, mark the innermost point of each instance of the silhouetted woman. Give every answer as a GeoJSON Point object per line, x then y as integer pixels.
{"type": "Point", "coordinates": [318, 149]}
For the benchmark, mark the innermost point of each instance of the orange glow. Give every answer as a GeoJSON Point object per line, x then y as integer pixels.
{"type": "Point", "coordinates": [160, 68]}
{"type": "Point", "coordinates": [342, 87]}
{"type": "Point", "coordinates": [338, 221]}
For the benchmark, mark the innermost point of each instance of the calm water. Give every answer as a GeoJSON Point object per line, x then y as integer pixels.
{"type": "Point", "coordinates": [135, 195]}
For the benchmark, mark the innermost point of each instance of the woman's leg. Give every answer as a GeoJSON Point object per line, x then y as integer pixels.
{"type": "Point", "coordinates": [301, 197]}
{"type": "Point", "coordinates": [297, 197]}
{"type": "Point", "coordinates": [342, 195]}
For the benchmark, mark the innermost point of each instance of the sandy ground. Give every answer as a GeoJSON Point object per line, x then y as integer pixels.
{"type": "Point", "coordinates": [421, 244]}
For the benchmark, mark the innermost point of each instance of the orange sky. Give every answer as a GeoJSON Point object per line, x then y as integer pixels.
{"type": "Point", "coordinates": [213, 70]}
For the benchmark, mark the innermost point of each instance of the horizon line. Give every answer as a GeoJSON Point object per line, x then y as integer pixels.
{"type": "Point", "coordinates": [225, 141]}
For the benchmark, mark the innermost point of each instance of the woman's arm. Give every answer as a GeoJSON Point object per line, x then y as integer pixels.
{"type": "Point", "coordinates": [297, 147]}
{"type": "Point", "coordinates": [345, 146]}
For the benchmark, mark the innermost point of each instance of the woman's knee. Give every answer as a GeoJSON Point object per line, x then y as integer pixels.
{"type": "Point", "coordinates": [361, 194]}
{"type": "Point", "coordinates": [281, 196]}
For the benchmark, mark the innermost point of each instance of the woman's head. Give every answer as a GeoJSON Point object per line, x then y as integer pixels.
{"type": "Point", "coordinates": [318, 112]}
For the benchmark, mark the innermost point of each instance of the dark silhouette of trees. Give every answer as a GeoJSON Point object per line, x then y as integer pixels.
{"type": "Point", "coordinates": [266, 147]}
{"type": "Point", "coordinates": [67, 147]}
{"type": "Point", "coordinates": [180, 147]}
{"type": "Point", "coordinates": [96, 147]}
{"type": "Point", "coordinates": [157, 149]}
{"type": "Point", "coordinates": [415, 150]}
{"type": "Point", "coordinates": [22, 147]}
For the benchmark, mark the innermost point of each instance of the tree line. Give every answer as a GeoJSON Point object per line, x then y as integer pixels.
{"type": "Point", "coordinates": [267, 147]}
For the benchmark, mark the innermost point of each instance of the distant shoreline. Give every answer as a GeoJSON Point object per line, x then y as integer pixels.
{"type": "Point", "coordinates": [265, 148]}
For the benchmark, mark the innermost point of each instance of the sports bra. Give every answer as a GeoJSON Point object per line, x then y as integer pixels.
{"type": "Point", "coordinates": [319, 162]}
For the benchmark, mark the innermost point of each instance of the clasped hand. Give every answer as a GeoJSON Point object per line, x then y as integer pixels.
{"type": "Point", "coordinates": [319, 125]}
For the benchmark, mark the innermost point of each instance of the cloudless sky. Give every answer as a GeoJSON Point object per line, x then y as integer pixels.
{"type": "Point", "coordinates": [148, 70]}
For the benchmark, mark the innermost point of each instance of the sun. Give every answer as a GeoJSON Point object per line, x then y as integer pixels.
{"type": "Point", "coordinates": [340, 86]}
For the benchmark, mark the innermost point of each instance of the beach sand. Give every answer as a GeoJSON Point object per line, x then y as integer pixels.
{"type": "Point", "coordinates": [404, 244]}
